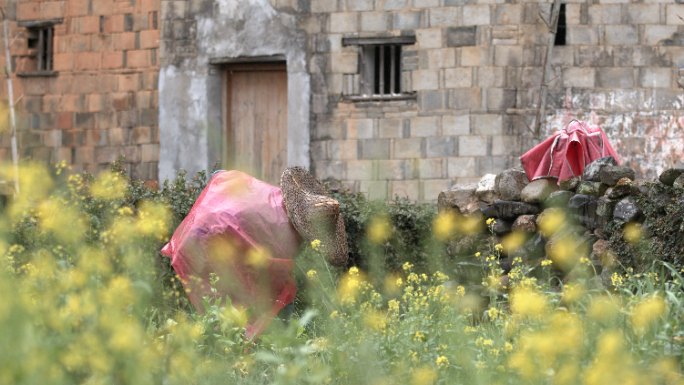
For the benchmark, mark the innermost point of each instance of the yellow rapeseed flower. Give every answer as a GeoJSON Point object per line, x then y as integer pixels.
{"type": "Point", "coordinates": [442, 362]}
{"type": "Point", "coordinates": [573, 292]}
{"type": "Point", "coordinates": [257, 258]}
{"type": "Point", "coordinates": [513, 241]}
{"type": "Point", "coordinates": [439, 277]}
{"type": "Point", "coordinates": [603, 308]}
{"type": "Point", "coordinates": [379, 230]}
{"type": "Point", "coordinates": [552, 221]}
{"type": "Point", "coordinates": [647, 312]}
{"type": "Point", "coordinates": [444, 225]}
{"type": "Point", "coordinates": [374, 320]}
{"type": "Point", "coordinates": [109, 186]}
{"type": "Point", "coordinates": [423, 376]}
{"type": "Point", "coordinates": [392, 284]}
{"type": "Point", "coordinates": [493, 313]}
{"type": "Point", "coordinates": [565, 252]}
{"type": "Point", "coordinates": [528, 302]}
{"type": "Point", "coordinates": [616, 279]}
{"type": "Point", "coordinates": [633, 232]}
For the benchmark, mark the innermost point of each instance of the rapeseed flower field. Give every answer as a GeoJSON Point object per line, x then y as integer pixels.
{"type": "Point", "coordinates": [85, 298]}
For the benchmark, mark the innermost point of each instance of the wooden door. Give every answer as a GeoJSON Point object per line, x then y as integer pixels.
{"type": "Point", "coordinates": [256, 120]}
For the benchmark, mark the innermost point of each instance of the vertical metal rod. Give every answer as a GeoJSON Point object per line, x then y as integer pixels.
{"type": "Point", "coordinates": [399, 75]}
{"type": "Point", "coordinates": [41, 50]}
{"type": "Point", "coordinates": [362, 73]}
{"type": "Point", "coordinates": [48, 64]}
{"type": "Point", "coordinates": [547, 69]}
{"type": "Point", "coordinates": [393, 70]}
{"type": "Point", "coordinates": [382, 69]}
{"type": "Point", "coordinates": [10, 94]}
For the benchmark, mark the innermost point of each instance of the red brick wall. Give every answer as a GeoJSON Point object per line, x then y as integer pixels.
{"type": "Point", "coordinates": [102, 103]}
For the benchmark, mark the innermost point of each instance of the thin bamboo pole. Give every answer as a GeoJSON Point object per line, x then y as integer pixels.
{"type": "Point", "coordinates": [555, 11]}
{"type": "Point", "coordinates": [10, 96]}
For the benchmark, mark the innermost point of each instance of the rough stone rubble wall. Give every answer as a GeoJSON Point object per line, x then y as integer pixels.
{"type": "Point", "coordinates": [102, 103]}
{"type": "Point", "coordinates": [593, 226]}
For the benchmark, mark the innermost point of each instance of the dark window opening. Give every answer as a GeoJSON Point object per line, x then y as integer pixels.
{"type": "Point", "coordinates": [381, 69]}
{"type": "Point", "coordinates": [40, 45]}
{"type": "Point", "coordinates": [386, 72]}
{"type": "Point", "coordinates": [562, 27]}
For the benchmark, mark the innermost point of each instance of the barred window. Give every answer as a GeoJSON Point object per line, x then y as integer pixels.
{"type": "Point", "coordinates": [380, 68]}
{"type": "Point", "coordinates": [39, 41]}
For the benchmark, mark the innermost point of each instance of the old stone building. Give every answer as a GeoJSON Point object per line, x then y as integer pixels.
{"type": "Point", "coordinates": [390, 97]}
{"type": "Point", "coordinates": [410, 96]}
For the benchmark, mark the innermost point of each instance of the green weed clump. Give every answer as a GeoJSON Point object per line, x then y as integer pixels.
{"type": "Point", "coordinates": [87, 299]}
{"type": "Point", "coordinates": [408, 223]}
{"type": "Point", "coordinates": [662, 233]}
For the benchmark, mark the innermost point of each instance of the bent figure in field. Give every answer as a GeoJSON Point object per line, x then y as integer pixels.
{"type": "Point", "coordinates": [248, 233]}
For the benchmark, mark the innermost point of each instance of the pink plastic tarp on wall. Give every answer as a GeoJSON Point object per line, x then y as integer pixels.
{"type": "Point", "coordinates": [566, 153]}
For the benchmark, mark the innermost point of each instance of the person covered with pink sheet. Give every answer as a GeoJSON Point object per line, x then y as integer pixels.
{"type": "Point", "coordinates": [241, 229]}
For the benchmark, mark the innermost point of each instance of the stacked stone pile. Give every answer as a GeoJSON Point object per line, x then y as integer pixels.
{"type": "Point", "coordinates": [604, 193]}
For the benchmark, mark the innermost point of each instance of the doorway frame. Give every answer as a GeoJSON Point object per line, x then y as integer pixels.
{"type": "Point", "coordinates": [299, 118]}
{"type": "Point", "coordinates": [255, 63]}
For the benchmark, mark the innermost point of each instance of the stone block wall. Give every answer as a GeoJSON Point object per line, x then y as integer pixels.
{"type": "Point", "coordinates": [475, 72]}
{"type": "Point", "coordinates": [453, 130]}
{"type": "Point", "coordinates": [101, 101]}
{"type": "Point", "coordinates": [471, 84]}
{"type": "Point", "coordinates": [620, 71]}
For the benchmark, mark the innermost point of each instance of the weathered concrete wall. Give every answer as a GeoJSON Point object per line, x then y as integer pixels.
{"type": "Point", "coordinates": [197, 32]}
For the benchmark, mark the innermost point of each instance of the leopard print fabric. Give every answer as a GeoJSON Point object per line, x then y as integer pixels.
{"type": "Point", "coordinates": [315, 215]}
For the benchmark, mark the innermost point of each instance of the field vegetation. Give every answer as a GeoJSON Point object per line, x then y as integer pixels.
{"type": "Point", "coordinates": [86, 298]}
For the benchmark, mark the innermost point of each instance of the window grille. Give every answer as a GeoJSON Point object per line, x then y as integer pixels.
{"type": "Point", "coordinates": [40, 40]}
{"type": "Point", "coordinates": [380, 69]}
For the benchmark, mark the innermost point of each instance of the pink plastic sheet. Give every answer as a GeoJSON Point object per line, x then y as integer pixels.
{"type": "Point", "coordinates": [566, 153]}
{"type": "Point", "coordinates": [240, 230]}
